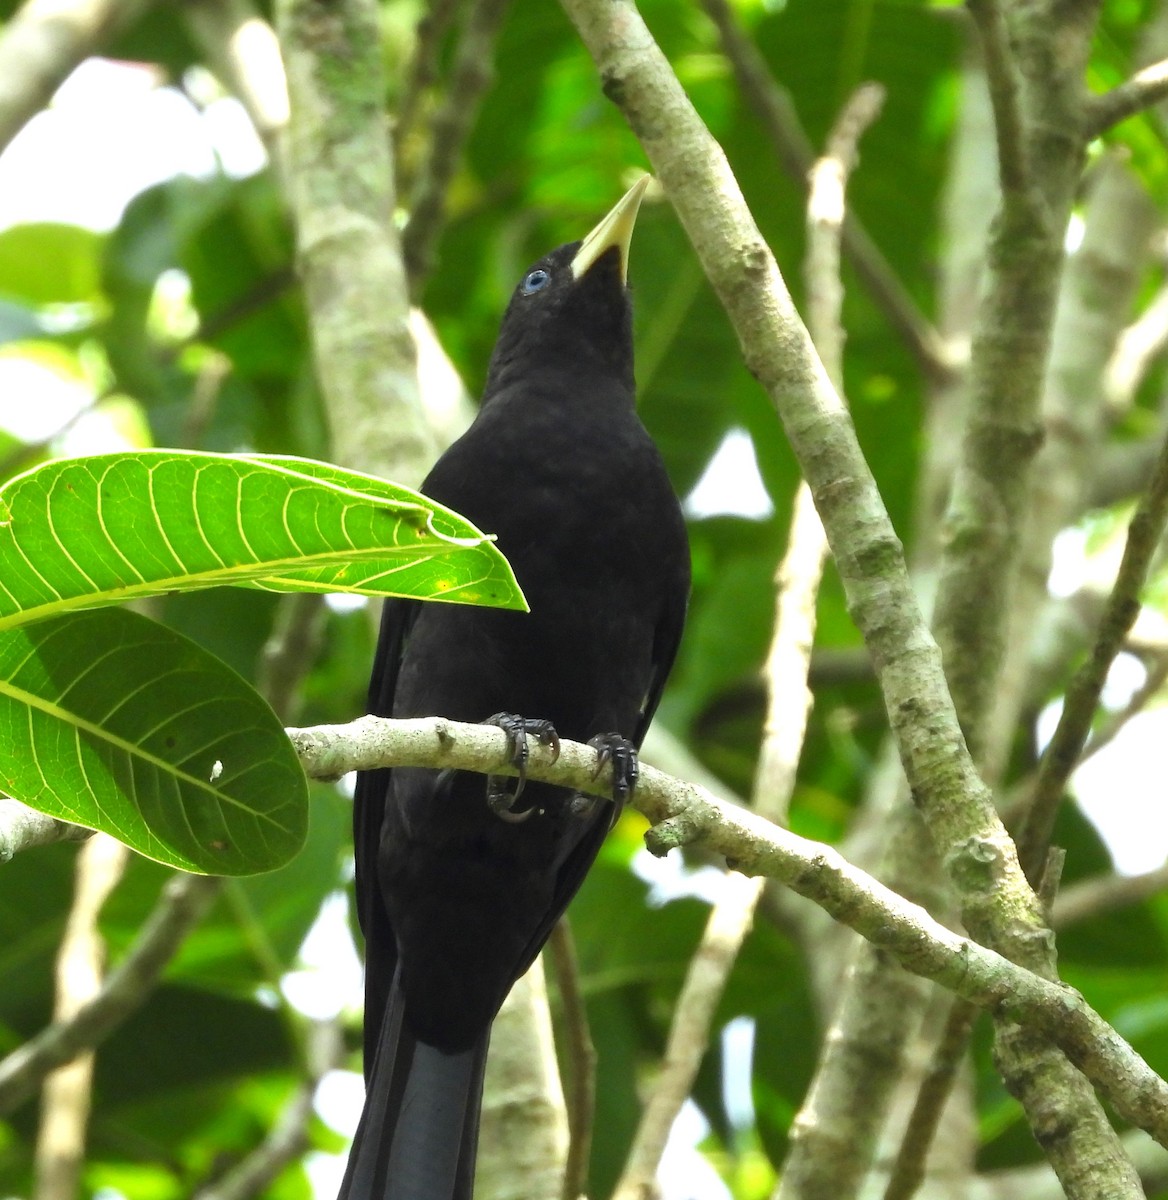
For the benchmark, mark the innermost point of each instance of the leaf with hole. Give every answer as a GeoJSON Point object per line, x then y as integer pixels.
{"type": "Point", "coordinates": [115, 722]}
{"type": "Point", "coordinates": [77, 533]}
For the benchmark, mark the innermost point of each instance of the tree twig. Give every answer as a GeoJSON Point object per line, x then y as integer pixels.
{"type": "Point", "coordinates": [67, 1093]}
{"type": "Point", "coordinates": [773, 107]}
{"type": "Point", "coordinates": [1140, 344]}
{"type": "Point", "coordinates": [288, 1138]}
{"type": "Point", "coordinates": [689, 1031]}
{"type": "Point", "coordinates": [684, 814]}
{"type": "Point", "coordinates": [22, 828]}
{"type": "Point", "coordinates": [242, 49]}
{"type": "Point", "coordinates": [1002, 73]}
{"type": "Point", "coordinates": [1114, 723]}
{"type": "Point", "coordinates": [41, 45]}
{"type": "Point", "coordinates": [580, 1093]}
{"type": "Point", "coordinates": [908, 1168]}
{"type": "Point", "coordinates": [342, 191]}
{"type": "Point", "coordinates": [290, 651]}
{"type": "Point", "coordinates": [1146, 87]}
{"type": "Point", "coordinates": [185, 899]}
{"type": "Point", "coordinates": [1064, 748]}
{"type": "Point", "coordinates": [470, 78]}
{"type": "Point", "coordinates": [1093, 897]}
{"type": "Point", "coordinates": [432, 27]}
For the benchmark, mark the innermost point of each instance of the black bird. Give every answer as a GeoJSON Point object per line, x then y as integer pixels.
{"type": "Point", "coordinates": [459, 881]}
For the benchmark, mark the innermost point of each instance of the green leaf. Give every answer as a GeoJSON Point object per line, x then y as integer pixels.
{"type": "Point", "coordinates": [77, 533]}
{"type": "Point", "coordinates": [115, 722]}
{"type": "Point", "coordinates": [73, 253]}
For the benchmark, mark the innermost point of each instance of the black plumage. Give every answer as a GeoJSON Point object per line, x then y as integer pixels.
{"type": "Point", "coordinates": [459, 882]}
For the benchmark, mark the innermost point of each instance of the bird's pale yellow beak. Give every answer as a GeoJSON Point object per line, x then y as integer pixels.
{"type": "Point", "coordinates": [616, 229]}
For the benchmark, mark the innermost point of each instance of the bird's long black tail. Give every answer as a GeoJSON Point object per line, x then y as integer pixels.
{"type": "Point", "coordinates": [419, 1128]}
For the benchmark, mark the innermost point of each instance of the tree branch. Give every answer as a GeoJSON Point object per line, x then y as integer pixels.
{"type": "Point", "coordinates": [66, 1097]}
{"type": "Point", "coordinates": [908, 1168]}
{"type": "Point", "coordinates": [341, 188]}
{"type": "Point", "coordinates": [22, 828]}
{"type": "Point", "coordinates": [1002, 74]}
{"type": "Point", "coordinates": [1146, 87]}
{"type": "Point", "coordinates": [1093, 897]}
{"type": "Point", "coordinates": [184, 901]}
{"type": "Point", "coordinates": [581, 1055]}
{"type": "Point", "coordinates": [43, 43]}
{"type": "Point", "coordinates": [242, 50]}
{"type": "Point", "coordinates": [774, 109]}
{"type": "Point", "coordinates": [432, 28]}
{"type": "Point", "coordinates": [288, 1138]}
{"type": "Point", "coordinates": [1065, 747]}
{"type": "Point", "coordinates": [470, 77]}
{"type": "Point", "coordinates": [684, 814]}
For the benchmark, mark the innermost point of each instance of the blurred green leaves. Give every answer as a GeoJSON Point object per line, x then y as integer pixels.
{"type": "Point", "coordinates": [229, 370]}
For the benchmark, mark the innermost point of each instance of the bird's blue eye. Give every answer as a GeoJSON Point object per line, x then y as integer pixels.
{"type": "Point", "coordinates": [534, 281]}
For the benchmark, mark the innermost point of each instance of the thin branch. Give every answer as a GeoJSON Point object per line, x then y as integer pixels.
{"type": "Point", "coordinates": [423, 70]}
{"type": "Point", "coordinates": [789, 702]}
{"type": "Point", "coordinates": [1082, 699]}
{"type": "Point", "coordinates": [23, 828]}
{"type": "Point", "coordinates": [241, 48]}
{"type": "Point", "coordinates": [1093, 897]}
{"type": "Point", "coordinates": [341, 187]}
{"type": "Point", "coordinates": [290, 651]}
{"type": "Point", "coordinates": [826, 212]}
{"type": "Point", "coordinates": [789, 699]}
{"type": "Point", "coordinates": [908, 1168]}
{"type": "Point", "coordinates": [288, 1138]}
{"type": "Point", "coordinates": [1140, 344]}
{"type": "Point", "coordinates": [683, 814]}
{"type": "Point", "coordinates": [185, 899]}
{"type": "Point", "coordinates": [581, 1054]}
{"type": "Point", "coordinates": [67, 1094]}
{"type": "Point", "coordinates": [775, 110]}
{"type": "Point", "coordinates": [689, 1031]}
{"type": "Point", "coordinates": [470, 77]}
{"type": "Point", "coordinates": [1146, 87]}
{"type": "Point", "coordinates": [1113, 725]}
{"type": "Point", "coordinates": [42, 44]}
{"type": "Point", "coordinates": [1002, 74]}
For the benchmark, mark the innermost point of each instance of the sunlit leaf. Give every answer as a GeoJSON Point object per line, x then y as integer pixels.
{"type": "Point", "coordinates": [75, 255]}
{"type": "Point", "coordinates": [115, 722]}
{"type": "Point", "coordinates": [101, 530]}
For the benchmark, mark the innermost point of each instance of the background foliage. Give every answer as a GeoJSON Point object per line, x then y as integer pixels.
{"type": "Point", "coordinates": [200, 1074]}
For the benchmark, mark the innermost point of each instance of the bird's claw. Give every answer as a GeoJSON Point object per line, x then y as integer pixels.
{"type": "Point", "coordinates": [612, 748]}
{"type": "Point", "coordinates": [501, 799]}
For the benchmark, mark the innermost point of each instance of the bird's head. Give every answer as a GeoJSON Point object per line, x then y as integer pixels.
{"type": "Point", "coordinates": [571, 310]}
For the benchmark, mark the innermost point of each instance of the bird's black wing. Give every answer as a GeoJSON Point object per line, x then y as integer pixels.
{"type": "Point", "coordinates": [667, 637]}
{"type": "Point", "coordinates": [397, 617]}
{"type": "Point", "coordinates": [419, 1102]}
{"type": "Point", "coordinates": [666, 640]}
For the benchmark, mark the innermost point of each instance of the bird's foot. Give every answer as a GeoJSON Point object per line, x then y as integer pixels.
{"type": "Point", "coordinates": [502, 792]}
{"type": "Point", "coordinates": [611, 748]}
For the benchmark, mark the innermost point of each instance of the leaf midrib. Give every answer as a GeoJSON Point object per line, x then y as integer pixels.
{"type": "Point", "coordinates": [31, 700]}
{"type": "Point", "coordinates": [296, 564]}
